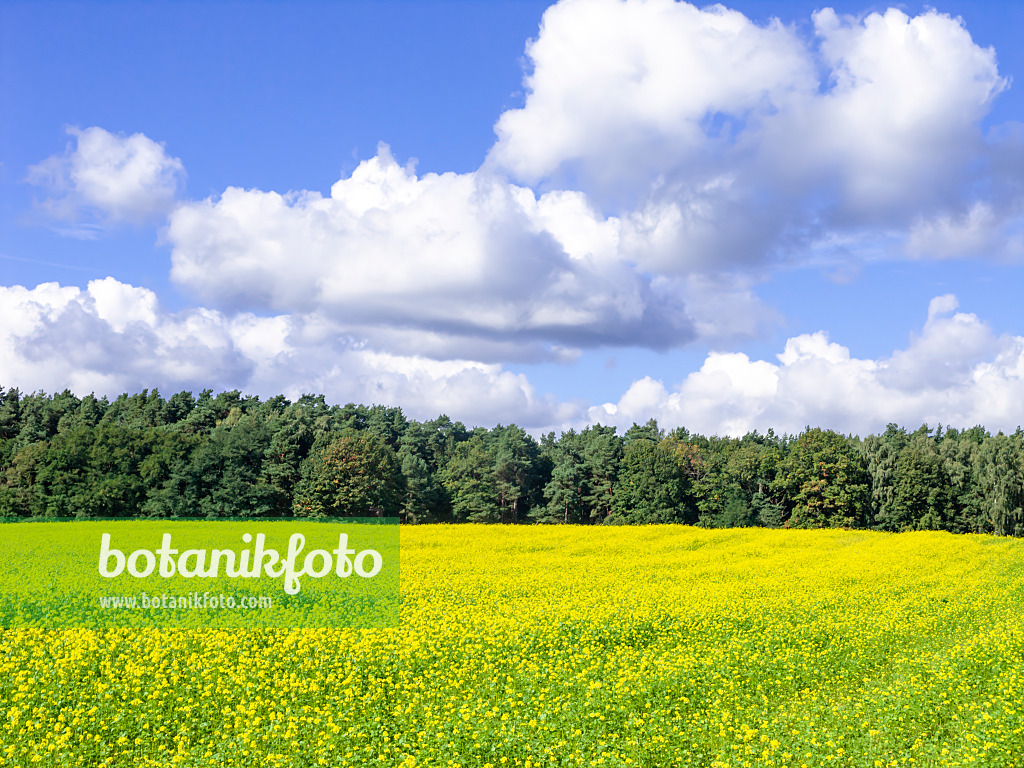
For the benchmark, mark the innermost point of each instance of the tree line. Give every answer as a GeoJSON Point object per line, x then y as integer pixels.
{"type": "Point", "coordinates": [232, 456]}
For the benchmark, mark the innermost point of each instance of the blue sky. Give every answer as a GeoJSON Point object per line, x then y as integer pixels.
{"type": "Point", "coordinates": [765, 214]}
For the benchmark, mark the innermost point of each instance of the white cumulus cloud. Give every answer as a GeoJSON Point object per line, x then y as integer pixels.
{"type": "Point", "coordinates": [104, 178]}
{"type": "Point", "coordinates": [666, 159]}
{"type": "Point", "coordinates": [623, 91]}
{"type": "Point", "coordinates": [112, 337]}
{"type": "Point", "coordinates": [955, 371]}
{"type": "Point", "coordinates": [466, 256]}
{"type": "Point", "coordinates": [722, 144]}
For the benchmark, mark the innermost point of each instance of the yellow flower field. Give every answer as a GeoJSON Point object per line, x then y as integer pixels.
{"type": "Point", "coordinates": [551, 646]}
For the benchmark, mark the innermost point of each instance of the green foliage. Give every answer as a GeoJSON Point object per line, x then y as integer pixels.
{"type": "Point", "coordinates": [468, 478]}
{"type": "Point", "coordinates": [355, 475]}
{"type": "Point", "coordinates": [767, 513]}
{"type": "Point", "coordinates": [957, 454]}
{"type": "Point", "coordinates": [565, 493]}
{"type": "Point", "coordinates": [291, 438]}
{"type": "Point", "coordinates": [231, 455]}
{"type": "Point", "coordinates": [824, 481]}
{"type": "Point", "coordinates": [421, 499]}
{"type": "Point", "coordinates": [999, 478]}
{"type": "Point", "coordinates": [584, 469]}
{"type": "Point", "coordinates": [518, 471]}
{"type": "Point", "coordinates": [602, 457]}
{"type": "Point", "coordinates": [652, 487]}
{"type": "Point", "coordinates": [881, 453]}
{"type": "Point", "coordinates": [731, 480]}
{"type": "Point", "coordinates": [10, 413]}
{"type": "Point", "coordinates": [920, 492]}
